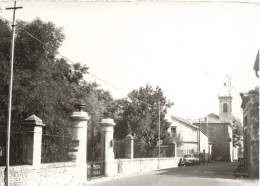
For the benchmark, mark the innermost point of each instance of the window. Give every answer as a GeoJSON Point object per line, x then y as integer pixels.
{"type": "Point", "coordinates": [173, 130]}
{"type": "Point", "coordinates": [225, 107]}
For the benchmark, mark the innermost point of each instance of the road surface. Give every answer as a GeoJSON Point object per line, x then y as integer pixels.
{"type": "Point", "coordinates": [212, 174]}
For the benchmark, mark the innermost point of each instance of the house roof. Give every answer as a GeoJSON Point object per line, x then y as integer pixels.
{"type": "Point", "coordinates": [186, 122]}
{"type": "Point", "coordinates": [210, 118]}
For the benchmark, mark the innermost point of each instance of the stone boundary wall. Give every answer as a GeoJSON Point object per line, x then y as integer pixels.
{"type": "Point", "coordinates": [46, 175]}
{"type": "Point", "coordinates": [75, 172]}
{"type": "Point", "coordinates": [69, 173]}
{"type": "Point", "coordinates": [138, 165]}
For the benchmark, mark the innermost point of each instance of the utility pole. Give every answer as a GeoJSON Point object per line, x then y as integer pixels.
{"type": "Point", "coordinates": [10, 95]}
{"type": "Point", "coordinates": [159, 147]}
{"type": "Point", "coordinates": [92, 145]}
{"type": "Point", "coordinates": [199, 135]}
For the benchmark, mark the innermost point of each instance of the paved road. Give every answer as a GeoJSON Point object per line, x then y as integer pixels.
{"type": "Point", "coordinates": [212, 174]}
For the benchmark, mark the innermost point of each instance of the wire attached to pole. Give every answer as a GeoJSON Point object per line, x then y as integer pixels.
{"type": "Point", "coordinates": [10, 95]}
{"type": "Point", "coordinates": [72, 62]}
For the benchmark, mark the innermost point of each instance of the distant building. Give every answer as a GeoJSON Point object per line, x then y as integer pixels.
{"type": "Point", "coordinates": [250, 104]}
{"type": "Point", "coordinates": [218, 128]}
{"type": "Point", "coordinates": [220, 134]}
{"type": "Point", "coordinates": [194, 140]}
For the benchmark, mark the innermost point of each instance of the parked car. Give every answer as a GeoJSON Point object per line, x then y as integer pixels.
{"type": "Point", "coordinates": [200, 157]}
{"type": "Point", "coordinates": [191, 159]}
{"type": "Point", "coordinates": [181, 162]}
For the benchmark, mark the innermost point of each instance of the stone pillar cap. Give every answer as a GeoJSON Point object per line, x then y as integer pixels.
{"type": "Point", "coordinates": [33, 120]}
{"type": "Point", "coordinates": [129, 136]}
{"type": "Point", "coordinates": [107, 122]}
{"type": "Point", "coordinates": [79, 116]}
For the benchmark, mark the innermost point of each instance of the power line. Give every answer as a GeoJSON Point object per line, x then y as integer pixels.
{"type": "Point", "coordinates": [39, 40]}
{"type": "Point", "coordinates": [118, 89]}
{"type": "Point", "coordinates": [235, 89]}
{"type": "Point", "coordinates": [72, 62]}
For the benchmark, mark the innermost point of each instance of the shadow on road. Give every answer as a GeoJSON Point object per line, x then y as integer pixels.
{"type": "Point", "coordinates": [223, 170]}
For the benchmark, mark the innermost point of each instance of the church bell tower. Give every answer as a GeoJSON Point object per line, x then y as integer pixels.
{"type": "Point", "coordinates": [225, 102]}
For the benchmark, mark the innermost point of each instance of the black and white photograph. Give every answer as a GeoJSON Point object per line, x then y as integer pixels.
{"type": "Point", "coordinates": [129, 92]}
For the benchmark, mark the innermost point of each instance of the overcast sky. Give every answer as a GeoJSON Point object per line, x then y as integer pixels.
{"type": "Point", "coordinates": [185, 48]}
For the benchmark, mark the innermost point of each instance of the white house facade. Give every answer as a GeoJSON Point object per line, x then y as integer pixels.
{"type": "Point", "coordinates": [194, 140]}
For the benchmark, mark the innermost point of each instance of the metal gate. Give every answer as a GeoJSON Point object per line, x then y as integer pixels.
{"type": "Point", "coordinates": [16, 142]}
{"type": "Point", "coordinates": [96, 169]}
{"type": "Point", "coordinates": [95, 163]}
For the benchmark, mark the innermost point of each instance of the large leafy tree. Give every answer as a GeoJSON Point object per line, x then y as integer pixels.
{"type": "Point", "coordinates": [43, 84]}
{"type": "Point", "coordinates": [97, 103]}
{"type": "Point", "coordinates": [97, 100]}
{"type": "Point", "coordinates": [139, 115]}
{"type": "Point", "coordinates": [5, 35]}
{"type": "Point", "coordinates": [237, 130]}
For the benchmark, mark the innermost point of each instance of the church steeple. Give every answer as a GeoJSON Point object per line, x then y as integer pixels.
{"type": "Point", "coordinates": [225, 102]}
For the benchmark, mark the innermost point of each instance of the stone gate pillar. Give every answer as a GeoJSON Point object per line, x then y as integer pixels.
{"type": "Point", "coordinates": [78, 147]}
{"type": "Point", "coordinates": [129, 153]}
{"type": "Point", "coordinates": [31, 150]}
{"type": "Point", "coordinates": [107, 127]}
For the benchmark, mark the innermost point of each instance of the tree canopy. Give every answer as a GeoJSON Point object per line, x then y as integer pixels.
{"type": "Point", "coordinates": [237, 130]}
{"type": "Point", "coordinates": [139, 115]}
{"type": "Point", "coordinates": [47, 85]}
{"type": "Point", "coordinates": [44, 83]}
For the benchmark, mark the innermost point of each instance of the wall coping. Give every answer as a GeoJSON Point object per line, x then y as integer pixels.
{"type": "Point", "coordinates": [42, 166]}
{"type": "Point", "coordinates": [145, 159]}
{"type": "Point", "coordinates": [60, 164]}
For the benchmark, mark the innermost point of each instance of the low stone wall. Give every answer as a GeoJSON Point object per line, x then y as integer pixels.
{"type": "Point", "coordinates": [46, 175]}
{"type": "Point", "coordinates": [138, 165]}
{"type": "Point", "coordinates": [75, 174]}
